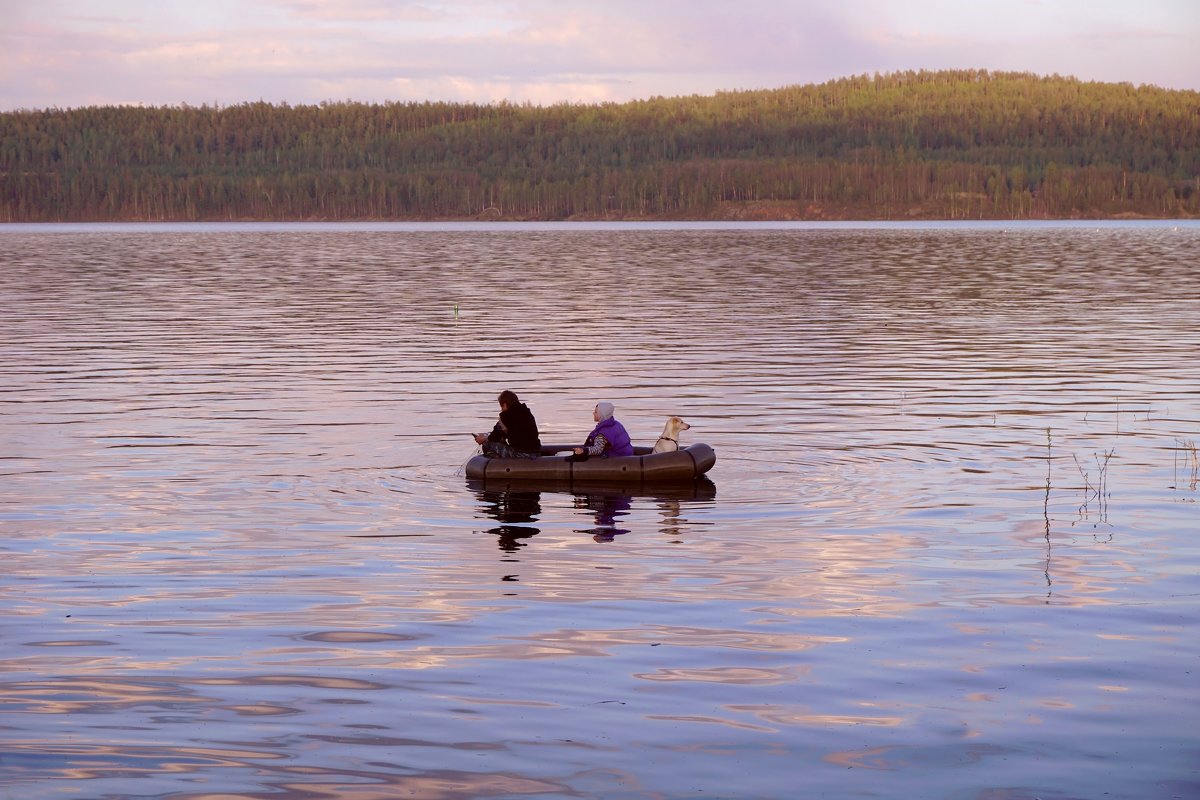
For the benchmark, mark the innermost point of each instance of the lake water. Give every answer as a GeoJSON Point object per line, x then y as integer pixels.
{"type": "Point", "coordinates": [950, 547]}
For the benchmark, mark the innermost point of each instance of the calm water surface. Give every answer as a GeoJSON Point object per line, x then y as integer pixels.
{"type": "Point", "coordinates": [949, 549]}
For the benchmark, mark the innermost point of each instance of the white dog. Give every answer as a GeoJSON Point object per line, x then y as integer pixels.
{"type": "Point", "coordinates": [669, 440]}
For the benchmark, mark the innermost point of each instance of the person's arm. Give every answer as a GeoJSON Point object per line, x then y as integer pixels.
{"type": "Point", "coordinates": [499, 435]}
{"type": "Point", "coordinates": [599, 445]}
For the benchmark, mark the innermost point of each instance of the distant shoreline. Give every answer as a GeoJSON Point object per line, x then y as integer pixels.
{"type": "Point", "coordinates": [747, 211]}
{"type": "Point", "coordinates": [1126, 217]}
{"type": "Point", "coordinates": [472, 223]}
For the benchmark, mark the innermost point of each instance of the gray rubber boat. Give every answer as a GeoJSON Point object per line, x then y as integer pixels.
{"type": "Point", "coordinates": [644, 466]}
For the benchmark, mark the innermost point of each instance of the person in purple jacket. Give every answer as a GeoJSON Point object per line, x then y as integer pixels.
{"type": "Point", "coordinates": [608, 438]}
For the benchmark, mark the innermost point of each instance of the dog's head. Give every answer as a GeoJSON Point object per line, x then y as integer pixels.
{"type": "Point", "coordinates": [676, 424]}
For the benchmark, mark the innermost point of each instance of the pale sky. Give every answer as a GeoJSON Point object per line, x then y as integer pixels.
{"type": "Point", "coordinates": [71, 53]}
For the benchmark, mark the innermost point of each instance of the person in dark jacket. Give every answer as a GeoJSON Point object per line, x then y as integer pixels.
{"type": "Point", "coordinates": [608, 438]}
{"type": "Point", "coordinates": [515, 434]}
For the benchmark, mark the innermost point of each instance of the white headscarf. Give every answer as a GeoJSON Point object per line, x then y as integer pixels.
{"type": "Point", "coordinates": [605, 410]}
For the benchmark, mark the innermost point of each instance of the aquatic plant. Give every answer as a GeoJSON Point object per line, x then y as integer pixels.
{"type": "Point", "coordinates": [1186, 453]}
{"type": "Point", "coordinates": [1099, 490]}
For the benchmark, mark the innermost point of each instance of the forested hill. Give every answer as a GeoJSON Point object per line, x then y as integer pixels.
{"type": "Point", "coordinates": [948, 145]}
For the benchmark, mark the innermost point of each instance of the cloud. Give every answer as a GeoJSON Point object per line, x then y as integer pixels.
{"type": "Point", "coordinates": [64, 53]}
{"type": "Point", "coordinates": [358, 10]}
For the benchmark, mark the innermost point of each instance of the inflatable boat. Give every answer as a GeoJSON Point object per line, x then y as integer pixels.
{"type": "Point", "coordinates": [701, 488]}
{"type": "Point", "coordinates": [644, 466]}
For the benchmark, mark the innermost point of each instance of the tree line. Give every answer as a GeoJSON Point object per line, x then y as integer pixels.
{"type": "Point", "coordinates": [949, 144]}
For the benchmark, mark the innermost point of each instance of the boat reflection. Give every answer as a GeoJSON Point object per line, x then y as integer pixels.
{"type": "Point", "coordinates": [517, 505]}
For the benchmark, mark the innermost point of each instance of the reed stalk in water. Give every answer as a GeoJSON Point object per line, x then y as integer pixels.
{"type": "Point", "coordinates": [1186, 452]}
{"type": "Point", "coordinates": [1099, 491]}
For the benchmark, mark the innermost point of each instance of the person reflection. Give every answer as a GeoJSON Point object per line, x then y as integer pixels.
{"type": "Point", "coordinates": [606, 509]}
{"type": "Point", "coordinates": [514, 511]}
